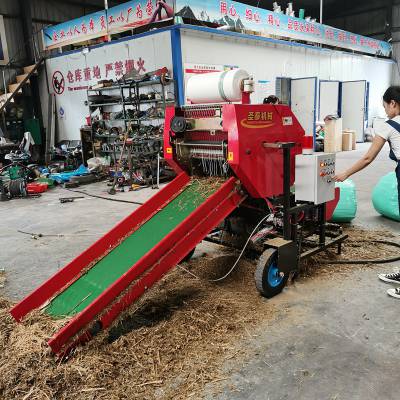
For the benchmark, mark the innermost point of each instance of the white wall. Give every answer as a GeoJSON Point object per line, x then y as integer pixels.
{"type": "Point", "coordinates": [154, 50]}
{"type": "Point", "coordinates": [266, 61]}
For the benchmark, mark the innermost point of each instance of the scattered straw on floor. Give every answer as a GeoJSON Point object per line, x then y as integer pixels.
{"type": "Point", "coordinates": [2, 277]}
{"type": "Point", "coordinates": [360, 245]}
{"type": "Point", "coordinates": [167, 346]}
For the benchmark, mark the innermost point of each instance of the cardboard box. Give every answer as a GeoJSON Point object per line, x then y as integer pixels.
{"type": "Point", "coordinates": [353, 138]}
{"type": "Point", "coordinates": [347, 141]}
{"type": "Point", "coordinates": [333, 136]}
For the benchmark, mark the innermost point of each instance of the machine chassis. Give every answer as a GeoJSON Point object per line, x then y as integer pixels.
{"type": "Point", "coordinates": [295, 240]}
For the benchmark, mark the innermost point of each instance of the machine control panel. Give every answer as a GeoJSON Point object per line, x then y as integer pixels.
{"type": "Point", "coordinates": [314, 177]}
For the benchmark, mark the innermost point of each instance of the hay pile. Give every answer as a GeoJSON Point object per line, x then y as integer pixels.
{"type": "Point", "coordinates": [168, 345]}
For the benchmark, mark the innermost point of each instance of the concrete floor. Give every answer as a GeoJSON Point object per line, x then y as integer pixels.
{"type": "Point", "coordinates": [334, 339]}
{"type": "Point", "coordinates": [28, 262]}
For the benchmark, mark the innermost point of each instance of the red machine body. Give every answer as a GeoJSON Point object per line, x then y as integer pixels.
{"type": "Point", "coordinates": [245, 129]}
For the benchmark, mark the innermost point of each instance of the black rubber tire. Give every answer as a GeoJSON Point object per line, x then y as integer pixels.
{"type": "Point", "coordinates": [188, 256]}
{"type": "Point", "coordinates": [266, 261]}
{"type": "Point", "coordinates": [83, 179]}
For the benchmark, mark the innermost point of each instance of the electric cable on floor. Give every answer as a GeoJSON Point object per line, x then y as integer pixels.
{"type": "Point", "coordinates": [104, 198]}
{"type": "Point", "coordinates": [237, 260]}
{"type": "Point", "coordinates": [377, 261]}
{"type": "Point", "coordinates": [39, 235]}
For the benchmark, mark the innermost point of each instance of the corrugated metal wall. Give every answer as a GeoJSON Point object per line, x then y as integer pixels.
{"type": "Point", "coordinates": [57, 11]}
{"type": "Point", "coordinates": [13, 27]}
{"type": "Point", "coordinates": [372, 24]}
{"type": "Point", "coordinates": [365, 23]}
{"type": "Point", "coordinates": [14, 36]}
{"type": "Point", "coordinates": [396, 44]}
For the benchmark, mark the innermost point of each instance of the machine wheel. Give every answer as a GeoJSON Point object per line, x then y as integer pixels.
{"type": "Point", "coordinates": [188, 256]}
{"type": "Point", "coordinates": [268, 280]}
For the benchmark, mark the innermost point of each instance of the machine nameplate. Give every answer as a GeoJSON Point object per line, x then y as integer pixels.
{"type": "Point", "coordinates": [258, 119]}
{"type": "Point", "coordinates": [259, 116]}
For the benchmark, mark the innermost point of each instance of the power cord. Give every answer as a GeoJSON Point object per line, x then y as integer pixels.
{"type": "Point", "coordinates": [59, 235]}
{"type": "Point", "coordinates": [237, 260]}
{"type": "Point", "coordinates": [104, 198]}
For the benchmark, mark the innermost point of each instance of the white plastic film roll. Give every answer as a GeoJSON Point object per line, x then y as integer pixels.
{"type": "Point", "coordinates": [216, 87]}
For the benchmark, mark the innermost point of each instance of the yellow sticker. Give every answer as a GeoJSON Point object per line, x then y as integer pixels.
{"type": "Point", "coordinates": [230, 156]}
{"type": "Point", "coordinates": [256, 124]}
{"type": "Point", "coordinates": [169, 150]}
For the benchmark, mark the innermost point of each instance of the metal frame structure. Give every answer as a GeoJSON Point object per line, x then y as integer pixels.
{"type": "Point", "coordinates": [291, 248]}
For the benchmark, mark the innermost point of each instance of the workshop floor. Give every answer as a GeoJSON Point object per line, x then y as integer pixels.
{"type": "Point", "coordinates": [333, 339]}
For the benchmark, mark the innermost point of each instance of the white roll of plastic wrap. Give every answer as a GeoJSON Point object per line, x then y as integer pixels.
{"type": "Point", "coordinates": [216, 87]}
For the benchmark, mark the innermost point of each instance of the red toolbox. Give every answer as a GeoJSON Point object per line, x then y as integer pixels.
{"type": "Point", "coordinates": [36, 187]}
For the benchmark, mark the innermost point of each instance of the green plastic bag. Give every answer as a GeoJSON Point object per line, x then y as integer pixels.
{"type": "Point", "coordinates": [385, 197]}
{"type": "Point", "coordinates": [50, 182]}
{"type": "Point", "coordinates": [346, 209]}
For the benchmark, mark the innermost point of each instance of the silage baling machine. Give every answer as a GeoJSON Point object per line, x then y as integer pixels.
{"type": "Point", "coordinates": [236, 165]}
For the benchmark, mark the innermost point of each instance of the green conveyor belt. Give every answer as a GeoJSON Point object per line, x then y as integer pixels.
{"type": "Point", "coordinates": [90, 285]}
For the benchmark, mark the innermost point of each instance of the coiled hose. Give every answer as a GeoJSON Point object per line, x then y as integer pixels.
{"type": "Point", "coordinates": [17, 187]}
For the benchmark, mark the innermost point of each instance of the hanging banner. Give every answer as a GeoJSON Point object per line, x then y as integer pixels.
{"type": "Point", "coordinates": [120, 18]}
{"type": "Point", "coordinates": [242, 17]}
{"type": "Point", "coordinates": [77, 30]}
{"type": "Point", "coordinates": [137, 13]}
{"type": "Point", "coordinates": [238, 16]}
{"type": "Point", "coordinates": [3, 43]}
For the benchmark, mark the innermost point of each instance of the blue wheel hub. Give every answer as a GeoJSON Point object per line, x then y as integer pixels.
{"type": "Point", "coordinates": [274, 279]}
